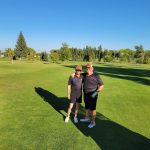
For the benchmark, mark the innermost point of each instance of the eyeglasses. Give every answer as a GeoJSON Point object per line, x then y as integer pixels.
{"type": "Point", "coordinates": [78, 70]}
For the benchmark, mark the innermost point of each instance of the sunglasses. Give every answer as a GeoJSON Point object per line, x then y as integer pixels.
{"type": "Point", "coordinates": [78, 70]}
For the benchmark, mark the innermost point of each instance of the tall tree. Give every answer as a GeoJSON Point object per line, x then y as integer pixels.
{"type": "Point", "coordinates": [139, 54]}
{"type": "Point", "coordinates": [99, 53]}
{"type": "Point", "coordinates": [21, 47]}
{"type": "Point", "coordinates": [65, 52]}
{"type": "Point", "coordinates": [74, 52]}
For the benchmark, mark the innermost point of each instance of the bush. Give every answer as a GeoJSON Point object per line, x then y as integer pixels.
{"type": "Point", "coordinates": [147, 57]}
{"type": "Point", "coordinates": [108, 58]}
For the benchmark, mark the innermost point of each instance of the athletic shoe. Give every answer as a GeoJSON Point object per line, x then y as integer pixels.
{"type": "Point", "coordinates": [66, 119]}
{"type": "Point", "coordinates": [91, 125]}
{"type": "Point", "coordinates": [85, 120]}
{"type": "Point", "coordinates": [75, 120]}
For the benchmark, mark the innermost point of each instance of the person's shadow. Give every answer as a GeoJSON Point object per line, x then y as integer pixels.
{"type": "Point", "coordinates": [107, 134]}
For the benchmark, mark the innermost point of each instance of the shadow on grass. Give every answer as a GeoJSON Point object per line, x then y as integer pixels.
{"type": "Point", "coordinates": [54, 101]}
{"type": "Point", "coordinates": [136, 75]}
{"type": "Point", "coordinates": [107, 134]}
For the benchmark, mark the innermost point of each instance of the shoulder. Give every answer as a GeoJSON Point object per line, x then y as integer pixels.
{"type": "Point", "coordinates": [70, 77]}
{"type": "Point", "coordinates": [95, 75]}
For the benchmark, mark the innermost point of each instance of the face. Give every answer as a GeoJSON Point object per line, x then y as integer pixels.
{"type": "Point", "coordinates": [89, 70]}
{"type": "Point", "coordinates": [78, 72]}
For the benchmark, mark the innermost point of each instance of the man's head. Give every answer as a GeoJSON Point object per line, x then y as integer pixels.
{"type": "Point", "coordinates": [89, 69]}
{"type": "Point", "coordinates": [78, 69]}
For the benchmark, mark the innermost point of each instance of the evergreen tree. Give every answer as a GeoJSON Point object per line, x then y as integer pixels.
{"type": "Point", "coordinates": [74, 52]}
{"type": "Point", "coordinates": [99, 53]}
{"type": "Point", "coordinates": [21, 47]}
{"type": "Point", "coordinates": [139, 54]}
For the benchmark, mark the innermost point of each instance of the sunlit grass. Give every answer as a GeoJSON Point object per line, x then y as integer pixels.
{"type": "Point", "coordinates": [30, 121]}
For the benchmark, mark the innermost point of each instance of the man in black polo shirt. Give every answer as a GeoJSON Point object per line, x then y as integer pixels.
{"type": "Point", "coordinates": [92, 84]}
{"type": "Point", "coordinates": [74, 92]}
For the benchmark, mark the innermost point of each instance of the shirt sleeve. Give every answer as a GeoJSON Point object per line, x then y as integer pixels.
{"type": "Point", "coordinates": [69, 81]}
{"type": "Point", "coordinates": [99, 80]}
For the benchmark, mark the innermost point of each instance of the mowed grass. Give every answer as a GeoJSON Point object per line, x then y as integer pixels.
{"type": "Point", "coordinates": [33, 105]}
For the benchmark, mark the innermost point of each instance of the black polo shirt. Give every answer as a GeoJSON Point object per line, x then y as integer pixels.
{"type": "Point", "coordinates": [90, 83]}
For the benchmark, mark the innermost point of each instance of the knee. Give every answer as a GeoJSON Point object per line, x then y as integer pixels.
{"type": "Point", "coordinates": [70, 107]}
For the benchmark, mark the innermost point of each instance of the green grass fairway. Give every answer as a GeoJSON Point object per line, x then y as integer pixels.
{"type": "Point", "coordinates": [33, 105]}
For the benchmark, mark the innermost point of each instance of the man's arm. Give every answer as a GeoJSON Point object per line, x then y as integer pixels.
{"type": "Point", "coordinates": [69, 87]}
{"type": "Point", "coordinates": [68, 91]}
{"type": "Point", "coordinates": [100, 84]}
{"type": "Point", "coordinates": [100, 88]}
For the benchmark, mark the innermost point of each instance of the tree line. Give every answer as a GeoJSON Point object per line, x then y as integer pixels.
{"type": "Point", "coordinates": [88, 53]}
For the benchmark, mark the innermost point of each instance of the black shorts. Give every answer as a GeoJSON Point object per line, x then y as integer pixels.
{"type": "Point", "coordinates": [76, 99]}
{"type": "Point", "coordinates": [90, 102]}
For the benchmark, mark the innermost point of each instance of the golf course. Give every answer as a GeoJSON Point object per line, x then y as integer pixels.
{"type": "Point", "coordinates": [33, 105]}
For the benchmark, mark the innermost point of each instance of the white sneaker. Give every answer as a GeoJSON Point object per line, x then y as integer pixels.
{"type": "Point", "coordinates": [75, 119]}
{"type": "Point", "coordinates": [66, 119]}
{"type": "Point", "coordinates": [85, 120]}
{"type": "Point", "coordinates": [91, 125]}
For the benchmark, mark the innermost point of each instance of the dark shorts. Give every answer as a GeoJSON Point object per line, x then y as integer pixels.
{"type": "Point", "coordinates": [76, 99]}
{"type": "Point", "coordinates": [90, 103]}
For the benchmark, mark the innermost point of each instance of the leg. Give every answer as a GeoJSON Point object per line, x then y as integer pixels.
{"type": "Point", "coordinates": [93, 112]}
{"type": "Point", "coordinates": [86, 113]}
{"type": "Point", "coordinates": [93, 102]}
{"type": "Point", "coordinates": [93, 108]}
{"type": "Point", "coordinates": [69, 109]}
{"type": "Point", "coordinates": [86, 118]}
{"type": "Point", "coordinates": [92, 124]}
{"type": "Point", "coordinates": [76, 110]}
{"type": "Point", "coordinates": [86, 101]}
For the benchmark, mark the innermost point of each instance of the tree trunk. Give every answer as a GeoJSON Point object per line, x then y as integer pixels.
{"type": "Point", "coordinates": [12, 61]}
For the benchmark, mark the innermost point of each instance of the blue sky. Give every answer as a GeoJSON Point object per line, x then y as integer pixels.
{"type": "Point", "coordinates": [46, 24]}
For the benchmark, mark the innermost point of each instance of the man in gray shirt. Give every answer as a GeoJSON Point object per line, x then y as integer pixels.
{"type": "Point", "coordinates": [92, 84]}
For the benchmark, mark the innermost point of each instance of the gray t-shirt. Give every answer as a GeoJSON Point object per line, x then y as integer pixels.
{"type": "Point", "coordinates": [76, 85]}
{"type": "Point", "coordinates": [91, 83]}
